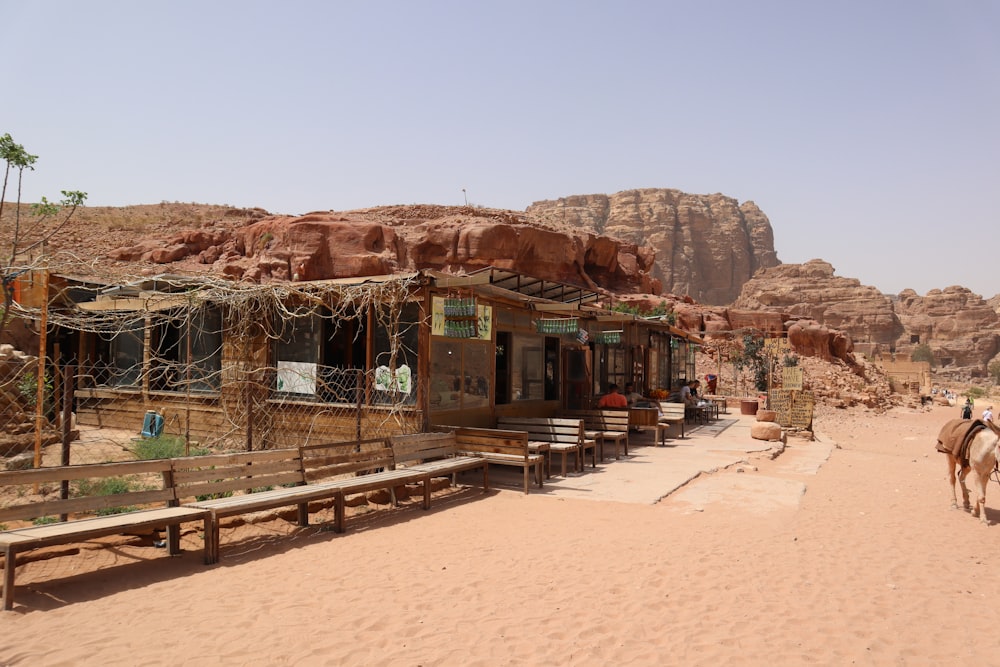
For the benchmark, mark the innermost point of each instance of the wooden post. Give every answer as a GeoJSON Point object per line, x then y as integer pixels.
{"type": "Point", "coordinates": [187, 383]}
{"type": "Point", "coordinates": [40, 377]}
{"type": "Point", "coordinates": [68, 381]}
{"type": "Point", "coordinates": [358, 394]}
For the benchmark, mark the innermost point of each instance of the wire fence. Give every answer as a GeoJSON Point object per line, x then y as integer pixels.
{"type": "Point", "coordinates": [122, 414]}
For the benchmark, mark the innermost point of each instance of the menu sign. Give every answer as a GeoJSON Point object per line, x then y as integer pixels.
{"type": "Point", "coordinates": [794, 408]}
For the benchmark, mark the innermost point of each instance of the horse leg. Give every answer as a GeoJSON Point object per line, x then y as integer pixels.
{"type": "Point", "coordinates": [980, 510]}
{"type": "Point", "coordinates": [962, 474]}
{"type": "Point", "coordinates": [951, 481]}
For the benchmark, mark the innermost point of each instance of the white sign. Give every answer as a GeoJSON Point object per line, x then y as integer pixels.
{"type": "Point", "coordinates": [297, 377]}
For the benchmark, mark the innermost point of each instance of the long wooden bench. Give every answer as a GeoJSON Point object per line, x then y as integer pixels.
{"type": "Point", "coordinates": [227, 485]}
{"type": "Point", "coordinates": [606, 426]}
{"type": "Point", "coordinates": [435, 455]}
{"type": "Point", "coordinates": [133, 507]}
{"type": "Point", "coordinates": [352, 468]}
{"type": "Point", "coordinates": [559, 435]}
{"type": "Point", "coordinates": [499, 447]}
{"type": "Point", "coordinates": [670, 414]}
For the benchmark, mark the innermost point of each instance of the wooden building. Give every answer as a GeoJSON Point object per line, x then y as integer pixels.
{"type": "Point", "coordinates": [256, 366]}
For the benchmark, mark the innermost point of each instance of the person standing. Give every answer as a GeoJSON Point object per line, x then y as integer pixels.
{"type": "Point", "coordinates": [988, 414]}
{"type": "Point", "coordinates": [967, 409]}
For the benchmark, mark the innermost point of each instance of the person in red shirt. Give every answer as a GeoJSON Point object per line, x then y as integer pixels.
{"type": "Point", "coordinates": [613, 399]}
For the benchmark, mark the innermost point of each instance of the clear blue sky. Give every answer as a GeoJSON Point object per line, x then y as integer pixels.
{"type": "Point", "coordinates": [867, 131]}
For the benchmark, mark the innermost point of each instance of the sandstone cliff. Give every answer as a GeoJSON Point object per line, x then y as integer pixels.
{"type": "Point", "coordinates": [387, 239]}
{"type": "Point", "coordinates": [962, 330]}
{"type": "Point", "coordinates": [706, 246]}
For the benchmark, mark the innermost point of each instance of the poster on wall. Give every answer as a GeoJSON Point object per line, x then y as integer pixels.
{"type": "Point", "coordinates": [297, 377]}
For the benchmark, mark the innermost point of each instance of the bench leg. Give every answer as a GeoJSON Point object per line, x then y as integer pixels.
{"type": "Point", "coordinates": [427, 492]}
{"type": "Point", "coordinates": [303, 514]}
{"type": "Point", "coordinates": [9, 565]}
{"type": "Point", "coordinates": [486, 477]}
{"type": "Point", "coordinates": [338, 513]}
{"type": "Point", "coordinates": [174, 539]}
{"type": "Point", "coordinates": [211, 540]}
{"type": "Point", "coordinates": [539, 473]}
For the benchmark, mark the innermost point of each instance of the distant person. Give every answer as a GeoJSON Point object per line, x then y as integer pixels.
{"type": "Point", "coordinates": [988, 414]}
{"type": "Point", "coordinates": [613, 399]}
{"type": "Point", "coordinates": [693, 392]}
{"type": "Point", "coordinates": [967, 409]}
{"type": "Point", "coordinates": [632, 396]}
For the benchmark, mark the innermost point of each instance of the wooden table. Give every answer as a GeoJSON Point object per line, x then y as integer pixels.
{"type": "Point", "coordinates": [720, 402]}
{"type": "Point", "coordinates": [643, 416]}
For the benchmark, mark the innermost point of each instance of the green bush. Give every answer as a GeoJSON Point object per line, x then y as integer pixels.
{"type": "Point", "coordinates": [923, 352]}
{"type": "Point", "coordinates": [975, 393]}
{"type": "Point", "coordinates": [164, 447]}
{"type": "Point", "coordinates": [43, 520]}
{"type": "Point", "coordinates": [109, 486]}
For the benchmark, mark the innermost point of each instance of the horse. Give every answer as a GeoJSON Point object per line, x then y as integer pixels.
{"type": "Point", "coordinates": [970, 446]}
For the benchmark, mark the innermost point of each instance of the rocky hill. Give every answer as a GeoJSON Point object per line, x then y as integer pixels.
{"type": "Point", "coordinates": [960, 327]}
{"type": "Point", "coordinates": [707, 246]}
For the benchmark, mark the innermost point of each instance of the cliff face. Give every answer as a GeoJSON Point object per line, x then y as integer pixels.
{"type": "Point", "coordinates": [962, 330]}
{"type": "Point", "coordinates": [388, 239]}
{"type": "Point", "coordinates": [707, 246]}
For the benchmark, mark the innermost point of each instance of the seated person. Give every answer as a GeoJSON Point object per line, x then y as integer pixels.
{"type": "Point", "coordinates": [613, 399]}
{"type": "Point", "coordinates": [632, 397]}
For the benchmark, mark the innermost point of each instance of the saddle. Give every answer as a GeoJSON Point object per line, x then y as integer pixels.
{"type": "Point", "coordinates": [955, 437]}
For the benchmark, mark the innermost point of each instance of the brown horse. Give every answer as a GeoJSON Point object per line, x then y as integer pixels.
{"type": "Point", "coordinates": [980, 456]}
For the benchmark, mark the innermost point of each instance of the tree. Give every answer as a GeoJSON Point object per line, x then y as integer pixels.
{"type": "Point", "coordinates": [994, 371]}
{"type": "Point", "coordinates": [923, 352]}
{"type": "Point", "coordinates": [27, 232]}
{"type": "Point", "coordinates": [752, 358]}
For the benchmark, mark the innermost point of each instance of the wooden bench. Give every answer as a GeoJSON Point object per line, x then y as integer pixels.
{"type": "Point", "coordinates": [239, 483]}
{"type": "Point", "coordinates": [351, 468]}
{"type": "Point", "coordinates": [606, 426]}
{"type": "Point", "coordinates": [116, 512]}
{"type": "Point", "coordinates": [501, 448]}
{"type": "Point", "coordinates": [671, 414]}
{"type": "Point", "coordinates": [435, 455]}
{"type": "Point", "coordinates": [360, 467]}
{"type": "Point", "coordinates": [559, 435]}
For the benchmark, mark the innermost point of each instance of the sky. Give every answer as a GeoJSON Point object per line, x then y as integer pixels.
{"type": "Point", "coordinates": [867, 131]}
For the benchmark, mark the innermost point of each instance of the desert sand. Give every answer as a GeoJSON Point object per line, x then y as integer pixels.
{"type": "Point", "coordinates": [852, 556]}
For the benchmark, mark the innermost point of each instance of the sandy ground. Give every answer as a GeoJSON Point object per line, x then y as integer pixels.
{"type": "Point", "coordinates": [839, 551]}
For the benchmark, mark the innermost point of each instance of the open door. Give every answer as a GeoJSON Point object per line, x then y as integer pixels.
{"type": "Point", "coordinates": [577, 378]}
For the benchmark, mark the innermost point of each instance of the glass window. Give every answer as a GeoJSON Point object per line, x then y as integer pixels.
{"type": "Point", "coordinates": [446, 374]}
{"type": "Point", "coordinates": [476, 365]}
{"type": "Point", "coordinates": [528, 368]}
{"type": "Point", "coordinates": [126, 357]}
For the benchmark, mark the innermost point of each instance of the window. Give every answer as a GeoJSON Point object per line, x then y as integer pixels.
{"type": "Point", "coordinates": [125, 367]}
{"type": "Point", "coordinates": [187, 351]}
{"type": "Point", "coordinates": [395, 379]}
{"type": "Point", "coordinates": [460, 374]}
{"type": "Point", "coordinates": [527, 368]}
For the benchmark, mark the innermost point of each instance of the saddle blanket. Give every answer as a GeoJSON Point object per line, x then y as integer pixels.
{"type": "Point", "coordinates": [955, 436]}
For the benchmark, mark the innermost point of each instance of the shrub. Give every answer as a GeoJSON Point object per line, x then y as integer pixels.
{"type": "Point", "coordinates": [975, 393]}
{"type": "Point", "coordinates": [109, 486]}
{"type": "Point", "coordinates": [164, 447]}
{"type": "Point", "coordinates": [43, 520]}
{"type": "Point", "coordinates": [923, 352]}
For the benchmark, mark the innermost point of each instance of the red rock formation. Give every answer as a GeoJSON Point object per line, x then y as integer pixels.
{"type": "Point", "coordinates": [383, 240]}
{"type": "Point", "coordinates": [706, 246]}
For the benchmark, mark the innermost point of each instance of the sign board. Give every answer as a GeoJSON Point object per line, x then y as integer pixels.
{"type": "Point", "coordinates": [802, 410]}
{"type": "Point", "coordinates": [775, 347]}
{"type": "Point", "coordinates": [780, 400]}
{"type": "Point", "coordinates": [794, 408]}
{"type": "Point", "coordinates": [791, 377]}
